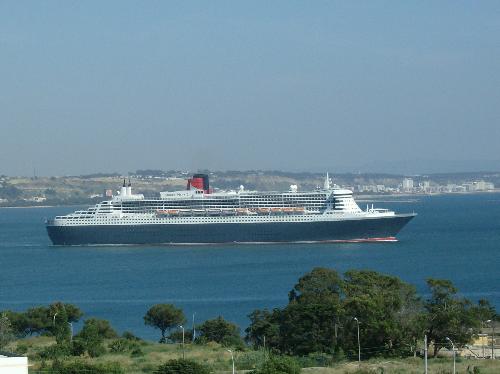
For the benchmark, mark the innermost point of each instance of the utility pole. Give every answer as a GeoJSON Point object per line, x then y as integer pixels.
{"type": "Point", "coordinates": [454, 355]}
{"type": "Point", "coordinates": [359, 344]}
{"type": "Point", "coordinates": [183, 352]}
{"type": "Point", "coordinates": [492, 338]}
{"type": "Point", "coordinates": [493, 341]}
{"type": "Point", "coordinates": [425, 353]}
{"type": "Point", "coordinates": [232, 359]}
{"type": "Point", "coordinates": [194, 328]}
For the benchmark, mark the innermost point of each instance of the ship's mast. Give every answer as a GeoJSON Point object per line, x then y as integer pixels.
{"type": "Point", "coordinates": [327, 182]}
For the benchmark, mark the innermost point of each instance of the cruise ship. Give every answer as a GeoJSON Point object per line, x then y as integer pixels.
{"type": "Point", "coordinates": [199, 215]}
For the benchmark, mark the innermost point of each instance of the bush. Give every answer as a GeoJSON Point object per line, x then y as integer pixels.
{"type": "Point", "coordinates": [78, 348]}
{"type": "Point", "coordinates": [129, 336]}
{"type": "Point", "coordinates": [250, 360]}
{"type": "Point", "coordinates": [279, 365]}
{"type": "Point", "coordinates": [123, 345]}
{"type": "Point", "coordinates": [82, 367]}
{"type": "Point", "coordinates": [136, 352]}
{"type": "Point", "coordinates": [182, 367]}
{"type": "Point", "coordinates": [221, 331]}
{"type": "Point", "coordinates": [90, 339]}
{"type": "Point", "coordinates": [315, 360]}
{"type": "Point", "coordinates": [103, 327]}
{"type": "Point", "coordinates": [56, 351]}
{"type": "Point", "coordinates": [21, 348]}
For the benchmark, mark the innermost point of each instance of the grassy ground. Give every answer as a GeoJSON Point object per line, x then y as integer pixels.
{"type": "Point", "coordinates": [151, 355]}
{"type": "Point", "coordinates": [410, 366]}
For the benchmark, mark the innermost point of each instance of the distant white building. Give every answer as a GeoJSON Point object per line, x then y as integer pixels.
{"type": "Point", "coordinates": [37, 199]}
{"type": "Point", "coordinates": [13, 365]}
{"type": "Point", "coordinates": [478, 186]}
{"type": "Point", "coordinates": [426, 186]}
{"type": "Point", "coordinates": [407, 185]}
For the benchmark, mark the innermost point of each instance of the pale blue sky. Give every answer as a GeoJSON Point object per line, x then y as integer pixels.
{"type": "Point", "coordinates": [94, 86]}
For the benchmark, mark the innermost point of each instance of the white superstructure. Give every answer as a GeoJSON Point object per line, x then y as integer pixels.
{"type": "Point", "coordinates": [196, 205]}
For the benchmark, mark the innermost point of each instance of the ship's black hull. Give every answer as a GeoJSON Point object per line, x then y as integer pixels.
{"type": "Point", "coordinates": [367, 229]}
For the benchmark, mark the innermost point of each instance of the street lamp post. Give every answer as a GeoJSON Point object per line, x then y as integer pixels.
{"type": "Point", "coordinates": [453, 347]}
{"type": "Point", "coordinates": [183, 353]}
{"type": "Point", "coordinates": [232, 359]}
{"type": "Point", "coordinates": [492, 338]}
{"type": "Point", "coordinates": [194, 329]}
{"type": "Point", "coordinates": [359, 344]}
{"type": "Point", "coordinates": [54, 319]}
{"type": "Point", "coordinates": [71, 327]}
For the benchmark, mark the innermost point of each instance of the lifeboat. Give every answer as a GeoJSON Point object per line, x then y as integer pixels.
{"type": "Point", "coordinates": [228, 212]}
{"type": "Point", "coordinates": [214, 212]}
{"type": "Point", "coordinates": [241, 211]}
{"type": "Point", "coordinates": [263, 210]}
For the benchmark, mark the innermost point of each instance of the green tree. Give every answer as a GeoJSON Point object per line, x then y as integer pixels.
{"type": "Point", "coordinates": [18, 322]}
{"type": "Point", "coordinates": [308, 327]}
{"type": "Point", "coordinates": [164, 317]}
{"type": "Point", "coordinates": [37, 320]}
{"type": "Point", "coordinates": [264, 328]}
{"type": "Point", "coordinates": [176, 336]}
{"type": "Point", "coordinates": [220, 331]}
{"type": "Point", "coordinates": [385, 307]}
{"type": "Point", "coordinates": [318, 285]}
{"type": "Point", "coordinates": [89, 340]}
{"type": "Point", "coordinates": [448, 316]}
{"type": "Point", "coordinates": [10, 192]}
{"type": "Point", "coordinates": [182, 366]}
{"type": "Point", "coordinates": [6, 331]}
{"type": "Point", "coordinates": [73, 313]}
{"type": "Point", "coordinates": [310, 322]}
{"type": "Point", "coordinates": [60, 316]}
{"type": "Point", "coordinates": [484, 311]}
{"type": "Point", "coordinates": [104, 329]}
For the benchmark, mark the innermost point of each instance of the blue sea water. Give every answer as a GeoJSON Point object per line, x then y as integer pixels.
{"type": "Point", "coordinates": [454, 237]}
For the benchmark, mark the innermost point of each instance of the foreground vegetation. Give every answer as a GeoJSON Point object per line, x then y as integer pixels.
{"type": "Point", "coordinates": [217, 359]}
{"type": "Point", "coordinates": [317, 330]}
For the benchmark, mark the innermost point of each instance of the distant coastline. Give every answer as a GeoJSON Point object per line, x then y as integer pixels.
{"type": "Point", "coordinates": [362, 199]}
{"type": "Point", "coordinates": [17, 192]}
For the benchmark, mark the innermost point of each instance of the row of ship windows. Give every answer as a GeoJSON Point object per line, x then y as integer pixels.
{"type": "Point", "coordinates": [184, 222]}
{"type": "Point", "coordinates": [227, 204]}
{"type": "Point", "coordinates": [235, 201]}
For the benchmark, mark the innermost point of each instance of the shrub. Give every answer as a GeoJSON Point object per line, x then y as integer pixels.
{"type": "Point", "coordinates": [221, 331]}
{"type": "Point", "coordinates": [279, 365]}
{"type": "Point", "coordinates": [90, 339]}
{"type": "Point", "coordinates": [83, 367]}
{"type": "Point", "coordinates": [103, 327]}
{"type": "Point", "coordinates": [123, 345]}
{"type": "Point", "coordinates": [56, 351]}
{"type": "Point", "coordinates": [136, 352]}
{"type": "Point", "coordinates": [182, 366]}
{"type": "Point", "coordinates": [129, 336]}
{"type": "Point", "coordinates": [250, 360]}
{"type": "Point", "coordinates": [21, 348]}
{"type": "Point", "coordinates": [315, 359]}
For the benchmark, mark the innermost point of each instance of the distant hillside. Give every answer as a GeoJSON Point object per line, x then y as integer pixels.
{"type": "Point", "coordinates": [87, 189]}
